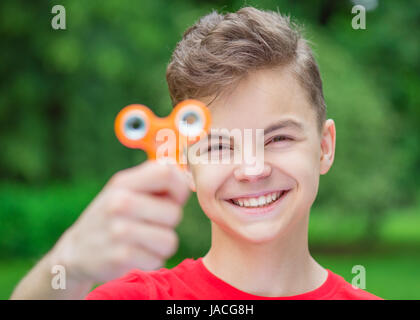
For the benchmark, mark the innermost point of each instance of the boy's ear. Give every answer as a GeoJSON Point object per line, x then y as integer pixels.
{"type": "Point", "coordinates": [328, 136]}
{"type": "Point", "coordinates": [190, 178]}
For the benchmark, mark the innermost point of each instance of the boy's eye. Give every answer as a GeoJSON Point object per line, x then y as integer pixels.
{"type": "Point", "coordinates": [279, 138]}
{"type": "Point", "coordinates": [217, 147]}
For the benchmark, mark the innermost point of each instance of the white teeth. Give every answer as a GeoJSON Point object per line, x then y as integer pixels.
{"type": "Point", "coordinates": [257, 202]}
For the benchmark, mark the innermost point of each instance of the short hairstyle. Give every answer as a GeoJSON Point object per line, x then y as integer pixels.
{"type": "Point", "coordinates": [220, 49]}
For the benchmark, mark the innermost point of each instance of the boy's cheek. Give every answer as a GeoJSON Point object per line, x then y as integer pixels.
{"type": "Point", "coordinates": [308, 179]}
{"type": "Point", "coordinates": [302, 167]}
{"type": "Point", "coordinates": [209, 179]}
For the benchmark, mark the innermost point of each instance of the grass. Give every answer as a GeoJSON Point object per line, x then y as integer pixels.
{"type": "Point", "coordinates": [390, 276]}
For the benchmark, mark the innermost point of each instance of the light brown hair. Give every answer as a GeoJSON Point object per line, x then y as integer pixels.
{"type": "Point", "coordinates": [220, 49]}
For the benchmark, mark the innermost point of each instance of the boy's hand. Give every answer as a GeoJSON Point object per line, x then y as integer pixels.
{"type": "Point", "coordinates": [130, 224]}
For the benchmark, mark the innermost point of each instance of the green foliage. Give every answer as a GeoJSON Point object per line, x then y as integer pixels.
{"type": "Point", "coordinates": [363, 172]}
{"type": "Point", "coordinates": [389, 275]}
{"type": "Point", "coordinates": [32, 219]}
{"type": "Point", "coordinates": [61, 89]}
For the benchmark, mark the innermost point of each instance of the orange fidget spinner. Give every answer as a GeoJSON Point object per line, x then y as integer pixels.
{"type": "Point", "coordinates": [136, 126]}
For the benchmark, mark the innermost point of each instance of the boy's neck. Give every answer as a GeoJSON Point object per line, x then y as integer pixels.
{"type": "Point", "coordinates": [282, 267]}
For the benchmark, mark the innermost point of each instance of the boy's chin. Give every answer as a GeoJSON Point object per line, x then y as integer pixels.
{"type": "Point", "coordinates": [263, 233]}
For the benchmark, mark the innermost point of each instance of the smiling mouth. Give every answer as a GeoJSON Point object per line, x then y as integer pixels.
{"type": "Point", "coordinates": [259, 202]}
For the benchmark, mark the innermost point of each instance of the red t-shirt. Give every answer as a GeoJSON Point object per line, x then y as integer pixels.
{"type": "Point", "coordinates": [191, 280]}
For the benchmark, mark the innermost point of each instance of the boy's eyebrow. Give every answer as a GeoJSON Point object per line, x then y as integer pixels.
{"type": "Point", "coordinates": [272, 127]}
{"type": "Point", "coordinates": [283, 124]}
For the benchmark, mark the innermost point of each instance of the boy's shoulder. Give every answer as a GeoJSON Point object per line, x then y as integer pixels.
{"type": "Point", "coordinates": [343, 290]}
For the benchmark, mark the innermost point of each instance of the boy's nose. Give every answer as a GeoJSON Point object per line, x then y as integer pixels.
{"type": "Point", "coordinates": [243, 173]}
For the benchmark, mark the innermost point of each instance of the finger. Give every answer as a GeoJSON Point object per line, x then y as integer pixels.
{"type": "Point", "coordinates": [129, 257]}
{"type": "Point", "coordinates": [160, 241]}
{"type": "Point", "coordinates": [154, 209]}
{"type": "Point", "coordinates": [154, 177]}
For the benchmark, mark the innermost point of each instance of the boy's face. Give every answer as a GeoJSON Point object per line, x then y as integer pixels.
{"type": "Point", "coordinates": [295, 154]}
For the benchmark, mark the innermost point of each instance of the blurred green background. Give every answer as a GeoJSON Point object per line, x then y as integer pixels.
{"type": "Point", "coordinates": [60, 91]}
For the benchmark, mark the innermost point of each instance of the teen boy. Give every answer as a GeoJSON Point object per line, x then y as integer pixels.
{"type": "Point", "coordinates": [254, 71]}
